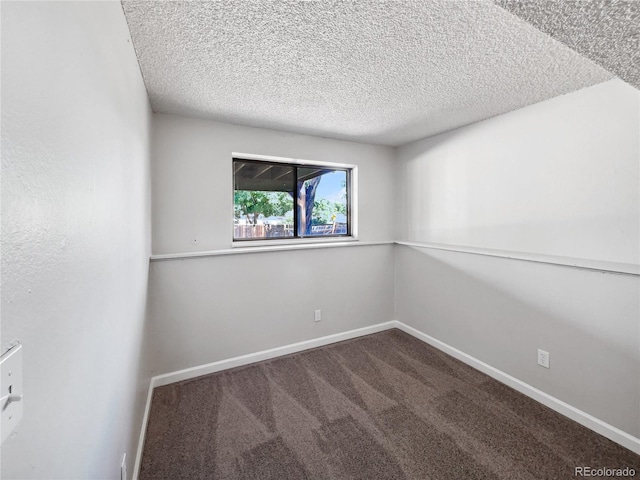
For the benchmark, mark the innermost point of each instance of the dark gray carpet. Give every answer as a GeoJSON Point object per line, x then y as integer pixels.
{"type": "Point", "coordinates": [384, 406]}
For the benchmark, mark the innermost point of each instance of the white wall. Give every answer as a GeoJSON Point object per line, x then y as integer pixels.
{"type": "Point", "coordinates": [208, 309]}
{"type": "Point", "coordinates": [557, 178]}
{"type": "Point", "coordinates": [501, 311]}
{"type": "Point", "coordinates": [75, 236]}
{"type": "Point", "coordinates": [214, 308]}
{"type": "Point", "coordinates": [75, 242]}
{"type": "Point", "coordinates": [193, 184]}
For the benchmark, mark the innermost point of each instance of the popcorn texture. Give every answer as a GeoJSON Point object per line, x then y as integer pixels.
{"type": "Point", "coordinates": [605, 31]}
{"type": "Point", "coordinates": [387, 72]}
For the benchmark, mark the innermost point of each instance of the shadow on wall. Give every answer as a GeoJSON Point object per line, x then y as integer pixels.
{"type": "Point", "coordinates": [501, 311]}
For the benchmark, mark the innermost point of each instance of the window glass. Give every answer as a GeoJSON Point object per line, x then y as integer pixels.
{"type": "Point", "coordinates": [262, 200]}
{"type": "Point", "coordinates": [326, 212]}
{"type": "Point", "coordinates": [278, 200]}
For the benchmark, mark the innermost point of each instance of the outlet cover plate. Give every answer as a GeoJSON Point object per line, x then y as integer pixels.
{"type": "Point", "coordinates": [543, 358]}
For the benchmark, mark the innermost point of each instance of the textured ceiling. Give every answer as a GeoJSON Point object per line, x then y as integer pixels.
{"type": "Point", "coordinates": [385, 72]}
{"type": "Point", "coordinates": [606, 31]}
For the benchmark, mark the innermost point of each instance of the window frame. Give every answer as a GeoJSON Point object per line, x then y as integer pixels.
{"type": "Point", "coordinates": [352, 209]}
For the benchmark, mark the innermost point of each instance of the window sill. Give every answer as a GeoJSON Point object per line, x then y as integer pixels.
{"type": "Point", "coordinates": [292, 241]}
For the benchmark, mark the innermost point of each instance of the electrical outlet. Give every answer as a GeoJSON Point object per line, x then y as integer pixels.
{"type": "Point", "coordinates": [543, 358]}
{"type": "Point", "coordinates": [123, 467]}
{"type": "Point", "coordinates": [318, 315]}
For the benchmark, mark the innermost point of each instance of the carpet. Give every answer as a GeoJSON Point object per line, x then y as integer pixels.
{"type": "Point", "coordinates": [383, 406]}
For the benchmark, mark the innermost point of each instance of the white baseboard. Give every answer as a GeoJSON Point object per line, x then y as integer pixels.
{"type": "Point", "coordinates": [188, 373]}
{"type": "Point", "coordinates": [143, 431]}
{"type": "Point", "coordinates": [583, 418]}
{"type": "Point", "coordinates": [200, 370]}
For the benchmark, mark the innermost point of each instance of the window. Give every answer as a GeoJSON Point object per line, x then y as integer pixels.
{"type": "Point", "coordinates": [280, 200]}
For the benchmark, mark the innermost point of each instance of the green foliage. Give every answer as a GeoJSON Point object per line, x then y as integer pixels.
{"type": "Point", "coordinates": [324, 211]}
{"type": "Point", "coordinates": [252, 204]}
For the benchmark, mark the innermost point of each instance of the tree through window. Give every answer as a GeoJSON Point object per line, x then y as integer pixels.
{"type": "Point", "coordinates": [278, 200]}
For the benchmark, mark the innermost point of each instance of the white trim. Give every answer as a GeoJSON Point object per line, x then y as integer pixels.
{"type": "Point", "coordinates": [583, 418]}
{"type": "Point", "coordinates": [352, 190]}
{"type": "Point", "coordinates": [198, 371]}
{"type": "Point", "coordinates": [308, 244]}
{"type": "Point", "coordinates": [143, 431]}
{"type": "Point", "coordinates": [188, 373]}
{"type": "Point", "coordinates": [290, 161]}
{"type": "Point", "coordinates": [292, 241]}
{"type": "Point", "coordinates": [353, 201]}
{"type": "Point", "coordinates": [270, 248]}
{"type": "Point", "coordinates": [582, 263]}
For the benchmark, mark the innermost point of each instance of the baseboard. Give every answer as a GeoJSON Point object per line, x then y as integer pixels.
{"type": "Point", "coordinates": [200, 370]}
{"type": "Point", "coordinates": [583, 418]}
{"type": "Point", "coordinates": [143, 431]}
{"type": "Point", "coordinates": [188, 373]}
